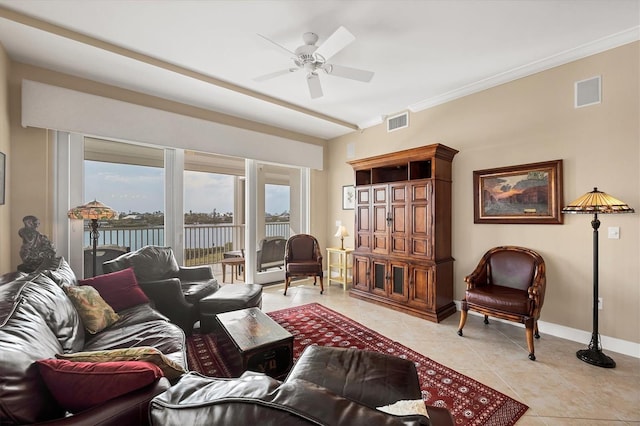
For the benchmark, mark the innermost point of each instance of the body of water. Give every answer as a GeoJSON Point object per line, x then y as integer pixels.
{"type": "Point", "coordinates": [195, 236]}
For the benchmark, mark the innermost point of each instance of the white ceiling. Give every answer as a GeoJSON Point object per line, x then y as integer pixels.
{"type": "Point", "coordinates": [422, 52]}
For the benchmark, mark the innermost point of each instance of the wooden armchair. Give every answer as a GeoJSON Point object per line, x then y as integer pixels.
{"type": "Point", "coordinates": [508, 283]}
{"type": "Point", "coordinates": [302, 258]}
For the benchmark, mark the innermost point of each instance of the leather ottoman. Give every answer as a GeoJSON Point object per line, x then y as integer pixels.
{"type": "Point", "coordinates": [231, 297]}
{"type": "Point", "coordinates": [371, 378]}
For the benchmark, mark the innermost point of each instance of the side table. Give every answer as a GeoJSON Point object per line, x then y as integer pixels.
{"type": "Point", "coordinates": [340, 266]}
{"type": "Point", "coordinates": [237, 265]}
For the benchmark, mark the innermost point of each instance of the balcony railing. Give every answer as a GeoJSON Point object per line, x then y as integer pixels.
{"type": "Point", "coordinates": [203, 244]}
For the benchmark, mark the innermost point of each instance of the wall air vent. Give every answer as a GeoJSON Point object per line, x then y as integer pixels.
{"type": "Point", "coordinates": [398, 122]}
{"type": "Point", "coordinates": [588, 92]}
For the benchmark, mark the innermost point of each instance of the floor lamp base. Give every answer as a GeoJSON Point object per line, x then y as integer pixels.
{"type": "Point", "coordinates": [596, 357]}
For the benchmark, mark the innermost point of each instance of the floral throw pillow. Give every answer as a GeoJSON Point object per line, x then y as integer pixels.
{"type": "Point", "coordinates": [170, 369]}
{"type": "Point", "coordinates": [96, 314]}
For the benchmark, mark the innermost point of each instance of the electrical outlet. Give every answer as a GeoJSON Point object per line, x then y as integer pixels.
{"type": "Point", "coordinates": [600, 303]}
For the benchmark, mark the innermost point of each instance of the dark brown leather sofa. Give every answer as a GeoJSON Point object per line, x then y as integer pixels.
{"type": "Point", "coordinates": [327, 386]}
{"type": "Point", "coordinates": [38, 321]}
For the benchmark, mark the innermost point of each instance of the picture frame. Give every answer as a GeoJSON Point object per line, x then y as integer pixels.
{"type": "Point", "coordinates": [522, 194]}
{"type": "Point", "coordinates": [348, 197]}
{"type": "Point", "coordinates": [3, 167]}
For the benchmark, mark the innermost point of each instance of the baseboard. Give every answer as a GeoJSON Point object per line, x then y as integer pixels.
{"type": "Point", "coordinates": [610, 344]}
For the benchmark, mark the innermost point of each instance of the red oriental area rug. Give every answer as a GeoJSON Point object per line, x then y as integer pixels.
{"type": "Point", "coordinates": [470, 402]}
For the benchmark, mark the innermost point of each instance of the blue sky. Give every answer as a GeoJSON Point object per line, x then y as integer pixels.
{"type": "Point", "coordinates": [127, 188]}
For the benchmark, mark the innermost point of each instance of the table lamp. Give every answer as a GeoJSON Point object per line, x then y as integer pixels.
{"type": "Point", "coordinates": [596, 202]}
{"type": "Point", "coordinates": [341, 233]}
{"type": "Point", "coordinates": [94, 211]}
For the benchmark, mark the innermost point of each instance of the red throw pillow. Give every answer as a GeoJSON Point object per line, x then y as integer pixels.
{"type": "Point", "coordinates": [119, 289]}
{"type": "Point", "coordinates": [78, 386]}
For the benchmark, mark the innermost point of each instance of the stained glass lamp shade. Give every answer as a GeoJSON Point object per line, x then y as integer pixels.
{"type": "Point", "coordinates": [596, 202]}
{"type": "Point", "coordinates": [93, 211]}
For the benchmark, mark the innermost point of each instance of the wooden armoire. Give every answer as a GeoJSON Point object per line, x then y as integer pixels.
{"type": "Point", "coordinates": [402, 255]}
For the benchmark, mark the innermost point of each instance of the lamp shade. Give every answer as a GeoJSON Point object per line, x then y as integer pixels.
{"type": "Point", "coordinates": [597, 202]}
{"type": "Point", "coordinates": [341, 232]}
{"type": "Point", "coordinates": [92, 210]}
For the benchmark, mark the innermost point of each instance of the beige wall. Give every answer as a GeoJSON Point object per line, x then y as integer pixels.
{"type": "Point", "coordinates": [31, 174]}
{"type": "Point", "coordinates": [5, 215]}
{"type": "Point", "coordinates": [532, 120]}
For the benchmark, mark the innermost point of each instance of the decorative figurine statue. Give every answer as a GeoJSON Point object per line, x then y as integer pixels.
{"type": "Point", "coordinates": [36, 248]}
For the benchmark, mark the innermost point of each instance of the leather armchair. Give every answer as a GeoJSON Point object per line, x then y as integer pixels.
{"type": "Point", "coordinates": [508, 283]}
{"type": "Point", "coordinates": [174, 290]}
{"type": "Point", "coordinates": [103, 254]}
{"type": "Point", "coordinates": [302, 258]}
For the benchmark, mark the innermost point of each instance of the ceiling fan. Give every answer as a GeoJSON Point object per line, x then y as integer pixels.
{"type": "Point", "coordinates": [312, 59]}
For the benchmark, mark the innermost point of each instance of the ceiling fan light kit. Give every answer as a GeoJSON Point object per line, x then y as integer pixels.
{"type": "Point", "coordinates": [312, 58]}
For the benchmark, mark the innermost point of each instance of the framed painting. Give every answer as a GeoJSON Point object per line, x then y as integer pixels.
{"type": "Point", "coordinates": [528, 193]}
{"type": "Point", "coordinates": [348, 197]}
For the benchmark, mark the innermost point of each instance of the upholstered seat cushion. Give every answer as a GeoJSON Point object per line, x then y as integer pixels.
{"type": "Point", "coordinates": [302, 267]}
{"type": "Point", "coordinates": [501, 298]}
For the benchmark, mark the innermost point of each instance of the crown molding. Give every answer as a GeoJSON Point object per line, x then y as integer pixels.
{"type": "Point", "coordinates": [606, 43]}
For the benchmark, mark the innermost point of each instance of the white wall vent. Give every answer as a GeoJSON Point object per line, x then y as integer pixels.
{"type": "Point", "coordinates": [398, 122]}
{"type": "Point", "coordinates": [588, 92]}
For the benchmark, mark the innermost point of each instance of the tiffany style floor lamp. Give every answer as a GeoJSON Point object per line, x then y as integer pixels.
{"type": "Point", "coordinates": [93, 211]}
{"type": "Point", "coordinates": [596, 202]}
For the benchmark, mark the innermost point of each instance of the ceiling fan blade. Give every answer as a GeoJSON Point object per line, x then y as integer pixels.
{"type": "Point", "coordinates": [315, 89]}
{"type": "Point", "coordinates": [337, 41]}
{"type": "Point", "coordinates": [274, 74]}
{"type": "Point", "coordinates": [348, 72]}
{"type": "Point", "coordinates": [280, 47]}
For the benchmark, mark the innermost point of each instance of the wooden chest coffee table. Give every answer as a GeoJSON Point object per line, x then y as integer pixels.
{"type": "Point", "coordinates": [250, 340]}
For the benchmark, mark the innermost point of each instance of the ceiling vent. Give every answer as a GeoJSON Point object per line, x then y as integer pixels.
{"type": "Point", "coordinates": [398, 122]}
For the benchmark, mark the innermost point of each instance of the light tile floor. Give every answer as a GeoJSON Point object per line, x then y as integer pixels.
{"type": "Point", "coordinates": [558, 388]}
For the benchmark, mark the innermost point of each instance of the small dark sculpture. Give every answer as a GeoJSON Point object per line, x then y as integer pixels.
{"type": "Point", "coordinates": [36, 248]}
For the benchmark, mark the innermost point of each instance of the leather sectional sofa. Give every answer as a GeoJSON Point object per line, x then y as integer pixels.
{"type": "Point", "coordinates": [49, 374]}
{"type": "Point", "coordinates": [39, 323]}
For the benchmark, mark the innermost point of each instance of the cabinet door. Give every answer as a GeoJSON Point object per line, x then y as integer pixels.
{"type": "Point", "coordinates": [421, 214]}
{"type": "Point", "coordinates": [361, 273]}
{"type": "Point", "coordinates": [398, 281]}
{"type": "Point", "coordinates": [422, 290]}
{"type": "Point", "coordinates": [379, 216]}
{"type": "Point", "coordinates": [363, 218]}
{"type": "Point", "coordinates": [379, 277]}
{"type": "Point", "coordinates": [397, 219]}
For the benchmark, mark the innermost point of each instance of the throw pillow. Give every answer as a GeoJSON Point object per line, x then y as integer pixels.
{"type": "Point", "coordinates": [406, 407]}
{"type": "Point", "coordinates": [96, 314]}
{"type": "Point", "coordinates": [119, 289]}
{"type": "Point", "coordinates": [170, 369]}
{"type": "Point", "coordinates": [78, 386]}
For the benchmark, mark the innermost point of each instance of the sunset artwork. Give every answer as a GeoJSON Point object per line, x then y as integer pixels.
{"type": "Point", "coordinates": [528, 193]}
